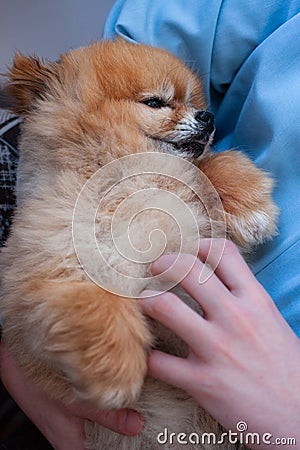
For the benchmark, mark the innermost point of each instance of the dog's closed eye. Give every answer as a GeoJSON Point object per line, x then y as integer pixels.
{"type": "Point", "coordinates": [155, 102]}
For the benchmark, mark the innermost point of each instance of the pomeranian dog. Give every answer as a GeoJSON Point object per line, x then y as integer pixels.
{"type": "Point", "coordinates": [71, 335]}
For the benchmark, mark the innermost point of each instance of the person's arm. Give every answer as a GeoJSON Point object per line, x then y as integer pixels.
{"type": "Point", "coordinates": [244, 359]}
{"type": "Point", "coordinates": [62, 426]}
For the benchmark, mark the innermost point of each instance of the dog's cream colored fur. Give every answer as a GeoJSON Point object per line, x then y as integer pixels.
{"type": "Point", "coordinates": [68, 334]}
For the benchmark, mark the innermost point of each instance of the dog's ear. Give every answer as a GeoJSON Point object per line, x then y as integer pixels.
{"type": "Point", "coordinates": [28, 79]}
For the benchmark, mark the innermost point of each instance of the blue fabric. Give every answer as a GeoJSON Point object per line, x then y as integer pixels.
{"type": "Point", "coordinates": [248, 52]}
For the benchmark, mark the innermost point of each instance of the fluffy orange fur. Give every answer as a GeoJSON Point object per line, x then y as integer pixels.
{"type": "Point", "coordinates": [71, 336]}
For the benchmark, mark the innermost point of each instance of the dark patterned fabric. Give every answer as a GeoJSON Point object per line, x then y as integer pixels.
{"type": "Point", "coordinates": [9, 155]}
{"type": "Point", "coordinates": [16, 430]}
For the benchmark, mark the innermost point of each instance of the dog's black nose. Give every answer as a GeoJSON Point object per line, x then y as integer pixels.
{"type": "Point", "coordinates": [206, 119]}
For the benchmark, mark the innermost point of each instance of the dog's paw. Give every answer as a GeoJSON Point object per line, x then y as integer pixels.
{"type": "Point", "coordinates": [251, 228]}
{"type": "Point", "coordinates": [96, 340]}
{"type": "Point", "coordinates": [111, 372]}
{"type": "Point", "coordinates": [245, 192]}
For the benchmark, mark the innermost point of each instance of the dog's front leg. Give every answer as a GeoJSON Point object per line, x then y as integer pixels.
{"type": "Point", "coordinates": [94, 341]}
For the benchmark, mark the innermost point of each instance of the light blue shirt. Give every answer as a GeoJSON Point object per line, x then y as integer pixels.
{"type": "Point", "coordinates": [248, 52]}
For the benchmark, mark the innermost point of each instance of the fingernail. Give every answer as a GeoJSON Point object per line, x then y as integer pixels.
{"type": "Point", "coordinates": [149, 293]}
{"type": "Point", "coordinates": [132, 422]}
{"type": "Point", "coordinates": [162, 264]}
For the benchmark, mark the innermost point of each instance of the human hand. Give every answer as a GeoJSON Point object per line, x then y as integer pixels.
{"type": "Point", "coordinates": [244, 360]}
{"type": "Point", "coordinates": [62, 425]}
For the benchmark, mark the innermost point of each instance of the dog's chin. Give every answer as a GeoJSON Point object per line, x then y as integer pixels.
{"type": "Point", "coordinates": [190, 149]}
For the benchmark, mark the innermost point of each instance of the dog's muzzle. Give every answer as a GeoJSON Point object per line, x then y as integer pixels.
{"type": "Point", "coordinates": [205, 120]}
{"type": "Point", "coordinates": [201, 135]}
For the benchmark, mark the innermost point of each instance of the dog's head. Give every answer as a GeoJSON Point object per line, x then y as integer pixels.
{"type": "Point", "coordinates": [114, 93]}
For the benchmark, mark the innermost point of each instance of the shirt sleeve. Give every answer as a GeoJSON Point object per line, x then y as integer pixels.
{"type": "Point", "coordinates": [249, 58]}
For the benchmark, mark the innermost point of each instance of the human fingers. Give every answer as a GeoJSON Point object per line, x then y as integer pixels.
{"type": "Point", "coordinates": [170, 369]}
{"type": "Point", "coordinates": [195, 277]}
{"type": "Point", "coordinates": [228, 264]}
{"type": "Point", "coordinates": [172, 312]}
{"type": "Point", "coordinates": [123, 421]}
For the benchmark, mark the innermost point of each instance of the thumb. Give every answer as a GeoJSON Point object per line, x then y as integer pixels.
{"type": "Point", "coordinates": [124, 421]}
